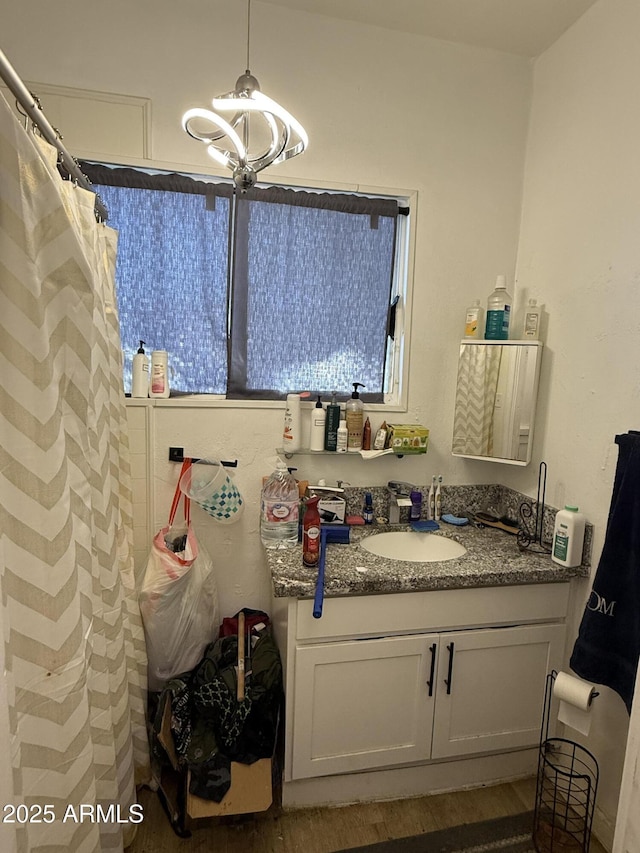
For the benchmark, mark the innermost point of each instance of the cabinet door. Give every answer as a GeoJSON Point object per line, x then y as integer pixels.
{"type": "Point", "coordinates": [490, 688]}
{"type": "Point", "coordinates": [362, 704]}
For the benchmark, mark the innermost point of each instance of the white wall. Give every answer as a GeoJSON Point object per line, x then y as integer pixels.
{"type": "Point", "coordinates": [579, 254]}
{"type": "Point", "coordinates": [398, 111]}
{"type": "Point", "coordinates": [382, 109]}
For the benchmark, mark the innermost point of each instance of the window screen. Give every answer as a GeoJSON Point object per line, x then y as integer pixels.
{"type": "Point", "coordinates": [252, 295]}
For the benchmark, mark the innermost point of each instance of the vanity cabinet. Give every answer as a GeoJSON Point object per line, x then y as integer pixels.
{"type": "Point", "coordinates": [393, 680]}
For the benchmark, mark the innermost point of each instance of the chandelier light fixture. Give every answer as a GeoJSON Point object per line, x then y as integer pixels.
{"type": "Point", "coordinates": [256, 132]}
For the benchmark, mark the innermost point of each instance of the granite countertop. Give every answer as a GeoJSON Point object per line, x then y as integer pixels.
{"type": "Point", "coordinates": [492, 559]}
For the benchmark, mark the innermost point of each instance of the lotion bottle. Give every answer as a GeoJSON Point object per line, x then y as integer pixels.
{"type": "Point", "coordinates": [318, 422]}
{"type": "Point", "coordinates": [140, 373]}
{"type": "Point", "coordinates": [355, 420]}
{"type": "Point", "coordinates": [568, 536]}
{"type": "Point", "coordinates": [342, 437]}
{"type": "Point", "coordinates": [292, 424]}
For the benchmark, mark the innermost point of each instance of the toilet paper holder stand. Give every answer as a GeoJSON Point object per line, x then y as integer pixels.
{"type": "Point", "coordinates": [566, 787]}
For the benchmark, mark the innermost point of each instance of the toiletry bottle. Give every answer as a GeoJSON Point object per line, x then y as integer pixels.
{"type": "Point", "coordinates": [431, 507]}
{"type": "Point", "coordinates": [292, 424]}
{"type": "Point", "coordinates": [367, 509]}
{"type": "Point", "coordinates": [438, 500]}
{"type": "Point", "coordinates": [498, 312]}
{"type": "Point", "coordinates": [531, 328]}
{"type": "Point", "coordinates": [355, 420]}
{"type": "Point", "coordinates": [318, 421]}
{"type": "Point", "coordinates": [568, 536]}
{"type": "Point", "coordinates": [280, 509]}
{"type": "Point", "coordinates": [381, 437]}
{"type": "Point", "coordinates": [342, 437]}
{"type": "Point", "coordinates": [332, 423]}
{"type": "Point", "coordinates": [474, 321]}
{"type": "Point", "coordinates": [416, 505]}
{"type": "Point", "coordinates": [311, 532]}
{"type": "Point", "coordinates": [159, 386]}
{"type": "Point", "coordinates": [366, 435]}
{"type": "Point", "coordinates": [140, 373]}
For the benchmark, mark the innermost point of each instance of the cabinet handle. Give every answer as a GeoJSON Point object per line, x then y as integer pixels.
{"type": "Point", "coordinates": [447, 681]}
{"type": "Point", "coordinates": [432, 649]}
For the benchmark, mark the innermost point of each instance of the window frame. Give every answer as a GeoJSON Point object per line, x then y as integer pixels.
{"type": "Point", "coordinates": [395, 391]}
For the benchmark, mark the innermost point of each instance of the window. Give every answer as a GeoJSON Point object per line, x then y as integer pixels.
{"type": "Point", "coordinates": [257, 294]}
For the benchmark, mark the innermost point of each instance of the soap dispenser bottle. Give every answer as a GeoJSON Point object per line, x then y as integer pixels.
{"type": "Point", "coordinates": [355, 420]}
{"type": "Point", "coordinates": [318, 420]}
{"type": "Point", "coordinates": [140, 373]}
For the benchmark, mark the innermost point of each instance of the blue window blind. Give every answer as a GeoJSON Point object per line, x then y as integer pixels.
{"type": "Point", "coordinates": [252, 295]}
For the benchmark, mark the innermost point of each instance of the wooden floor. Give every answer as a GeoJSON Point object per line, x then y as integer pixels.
{"type": "Point", "coordinates": [329, 829]}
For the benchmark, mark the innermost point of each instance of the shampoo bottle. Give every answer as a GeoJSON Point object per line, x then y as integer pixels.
{"type": "Point", "coordinates": [140, 373]}
{"type": "Point", "coordinates": [342, 437]}
{"type": "Point", "coordinates": [318, 421]}
{"type": "Point", "coordinates": [531, 328]}
{"type": "Point", "coordinates": [332, 422]}
{"type": "Point", "coordinates": [498, 312]}
{"type": "Point", "coordinates": [568, 536]}
{"type": "Point", "coordinates": [292, 425]}
{"type": "Point", "coordinates": [355, 420]}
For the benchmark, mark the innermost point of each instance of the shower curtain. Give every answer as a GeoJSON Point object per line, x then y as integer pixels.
{"type": "Point", "coordinates": [477, 385]}
{"type": "Point", "coordinates": [72, 658]}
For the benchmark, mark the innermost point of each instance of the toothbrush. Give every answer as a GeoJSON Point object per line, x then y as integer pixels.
{"type": "Point", "coordinates": [438, 500]}
{"type": "Point", "coordinates": [431, 506]}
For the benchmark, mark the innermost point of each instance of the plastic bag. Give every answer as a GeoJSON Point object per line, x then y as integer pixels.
{"type": "Point", "coordinates": [178, 600]}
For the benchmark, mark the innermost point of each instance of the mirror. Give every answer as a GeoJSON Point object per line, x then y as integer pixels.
{"type": "Point", "coordinates": [496, 400]}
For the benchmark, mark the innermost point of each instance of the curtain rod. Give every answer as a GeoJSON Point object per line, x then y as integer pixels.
{"type": "Point", "coordinates": [37, 116]}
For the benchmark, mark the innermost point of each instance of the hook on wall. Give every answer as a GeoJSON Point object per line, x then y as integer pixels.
{"type": "Point", "coordinates": [176, 454]}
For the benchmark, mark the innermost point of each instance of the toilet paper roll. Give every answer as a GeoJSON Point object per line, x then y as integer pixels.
{"type": "Point", "coordinates": [575, 698]}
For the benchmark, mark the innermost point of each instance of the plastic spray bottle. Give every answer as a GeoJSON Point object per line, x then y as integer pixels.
{"type": "Point", "coordinates": [311, 532]}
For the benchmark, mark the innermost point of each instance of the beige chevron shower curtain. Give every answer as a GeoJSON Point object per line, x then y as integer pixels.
{"type": "Point", "coordinates": [478, 371]}
{"type": "Point", "coordinates": [72, 660]}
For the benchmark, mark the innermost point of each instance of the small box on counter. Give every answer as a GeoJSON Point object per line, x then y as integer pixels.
{"type": "Point", "coordinates": [332, 507]}
{"type": "Point", "coordinates": [407, 438]}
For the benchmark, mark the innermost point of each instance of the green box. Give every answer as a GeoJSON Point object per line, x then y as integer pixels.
{"type": "Point", "coordinates": [408, 438]}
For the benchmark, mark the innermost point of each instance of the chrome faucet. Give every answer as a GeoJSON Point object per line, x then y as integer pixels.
{"type": "Point", "coordinates": [399, 495]}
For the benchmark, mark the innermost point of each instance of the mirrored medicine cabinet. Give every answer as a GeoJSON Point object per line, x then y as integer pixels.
{"type": "Point", "coordinates": [496, 393]}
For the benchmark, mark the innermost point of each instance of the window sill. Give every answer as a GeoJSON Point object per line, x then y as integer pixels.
{"type": "Point", "coordinates": [212, 402]}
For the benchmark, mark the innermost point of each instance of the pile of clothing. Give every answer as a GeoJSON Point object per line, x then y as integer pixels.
{"type": "Point", "coordinates": [210, 726]}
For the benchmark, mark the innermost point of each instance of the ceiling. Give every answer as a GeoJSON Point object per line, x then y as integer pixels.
{"type": "Point", "coordinates": [524, 27]}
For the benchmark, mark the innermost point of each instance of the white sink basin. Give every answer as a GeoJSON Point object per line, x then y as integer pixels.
{"type": "Point", "coordinates": [413, 546]}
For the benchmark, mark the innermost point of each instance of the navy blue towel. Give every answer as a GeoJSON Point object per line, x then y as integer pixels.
{"type": "Point", "coordinates": [608, 644]}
